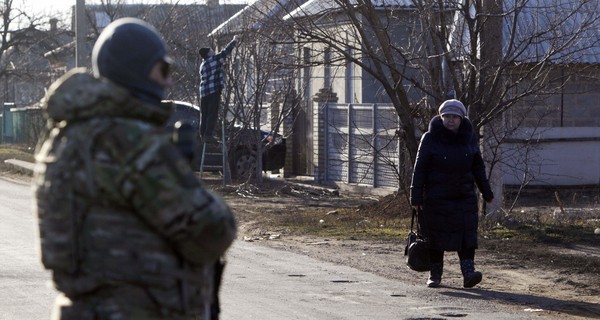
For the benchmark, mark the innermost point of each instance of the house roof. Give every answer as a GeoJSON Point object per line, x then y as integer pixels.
{"type": "Point", "coordinates": [255, 15]}
{"type": "Point", "coordinates": [31, 44]}
{"type": "Point", "coordinates": [318, 7]}
{"type": "Point", "coordinates": [560, 31]}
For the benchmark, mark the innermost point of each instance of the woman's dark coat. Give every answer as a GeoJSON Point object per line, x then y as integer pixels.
{"type": "Point", "coordinates": [447, 168]}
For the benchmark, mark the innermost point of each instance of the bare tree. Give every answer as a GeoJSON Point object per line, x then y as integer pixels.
{"type": "Point", "coordinates": [261, 96]}
{"type": "Point", "coordinates": [184, 26]}
{"type": "Point", "coordinates": [261, 85]}
{"type": "Point", "coordinates": [490, 54]}
{"type": "Point", "coordinates": [24, 38]}
{"type": "Point", "coordinates": [447, 43]}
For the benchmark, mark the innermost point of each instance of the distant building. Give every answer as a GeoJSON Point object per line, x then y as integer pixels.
{"type": "Point", "coordinates": [185, 28]}
{"type": "Point", "coordinates": [42, 56]}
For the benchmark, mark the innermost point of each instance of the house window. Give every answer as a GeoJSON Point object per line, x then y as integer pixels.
{"type": "Point", "coordinates": [102, 20]}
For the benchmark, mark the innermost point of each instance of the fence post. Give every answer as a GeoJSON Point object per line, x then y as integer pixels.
{"type": "Point", "coordinates": [350, 142]}
{"type": "Point", "coordinates": [289, 103]}
{"type": "Point", "coordinates": [321, 134]}
{"type": "Point", "coordinates": [375, 148]}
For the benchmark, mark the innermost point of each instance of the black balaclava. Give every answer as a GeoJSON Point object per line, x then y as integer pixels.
{"type": "Point", "coordinates": [125, 53]}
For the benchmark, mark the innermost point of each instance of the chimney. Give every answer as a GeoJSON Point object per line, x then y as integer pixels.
{"type": "Point", "coordinates": [212, 3]}
{"type": "Point", "coordinates": [53, 24]}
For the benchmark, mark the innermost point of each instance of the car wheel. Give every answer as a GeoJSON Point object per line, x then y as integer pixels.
{"type": "Point", "coordinates": [243, 165]}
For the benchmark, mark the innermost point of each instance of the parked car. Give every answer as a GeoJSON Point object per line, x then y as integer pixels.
{"type": "Point", "coordinates": [242, 153]}
{"type": "Point", "coordinates": [241, 144]}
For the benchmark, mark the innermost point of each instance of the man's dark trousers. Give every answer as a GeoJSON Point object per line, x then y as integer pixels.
{"type": "Point", "coordinates": [209, 108]}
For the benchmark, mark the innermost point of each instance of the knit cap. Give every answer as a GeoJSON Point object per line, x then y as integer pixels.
{"type": "Point", "coordinates": [453, 106]}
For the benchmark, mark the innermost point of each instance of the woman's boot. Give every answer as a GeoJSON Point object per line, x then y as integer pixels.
{"type": "Point", "coordinates": [435, 274]}
{"type": "Point", "coordinates": [470, 276]}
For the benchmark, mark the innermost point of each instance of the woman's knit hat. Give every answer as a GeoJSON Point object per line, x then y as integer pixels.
{"type": "Point", "coordinates": [453, 106]}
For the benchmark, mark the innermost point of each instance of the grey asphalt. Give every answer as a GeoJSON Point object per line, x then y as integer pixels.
{"type": "Point", "coordinates": [259, 282]}
{"type": "Point", "coordinates": [269, 284]}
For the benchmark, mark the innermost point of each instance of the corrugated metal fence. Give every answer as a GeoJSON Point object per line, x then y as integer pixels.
{"type": "Point", "coordinates": [21, 125]}
{"type": "Point", "coordinates": [361, 144]}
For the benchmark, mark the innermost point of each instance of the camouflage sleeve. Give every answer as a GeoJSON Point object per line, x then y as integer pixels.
{"type": "Point", "coordinates": [163, 190]}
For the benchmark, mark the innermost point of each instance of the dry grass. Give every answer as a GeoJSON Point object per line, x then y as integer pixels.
{"type": "Point", "coordinates": [12, 151]}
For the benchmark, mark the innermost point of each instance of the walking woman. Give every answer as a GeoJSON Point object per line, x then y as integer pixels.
{"type": "Point", "coordinates": [448, 166]}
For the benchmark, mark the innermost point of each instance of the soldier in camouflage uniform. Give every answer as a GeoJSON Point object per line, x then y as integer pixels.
{"type": "Point", "coordinates": [126, 228]}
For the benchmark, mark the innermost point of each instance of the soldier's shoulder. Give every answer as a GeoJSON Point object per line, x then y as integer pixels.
{"type": "Point", "coordinates": [74, 81]}
{"type": "Point", "coordinates": [76, 92]}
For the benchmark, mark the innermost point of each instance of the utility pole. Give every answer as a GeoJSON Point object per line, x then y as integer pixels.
{"type": "Point", "coordinates": [80, 34]}
{"type": "Point", "coordinates": [492, 42]}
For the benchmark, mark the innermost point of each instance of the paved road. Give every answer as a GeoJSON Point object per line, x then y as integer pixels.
{"type": "Point", "coordinates": [260, 283]}
{"type": "Point", "coordinates": [25, 292]}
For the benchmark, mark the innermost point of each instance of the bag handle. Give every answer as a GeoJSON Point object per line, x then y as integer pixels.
{"type": "Point", "coordinates": [416, 216]}
{"type": "Point", "coordinates": [412, 220]}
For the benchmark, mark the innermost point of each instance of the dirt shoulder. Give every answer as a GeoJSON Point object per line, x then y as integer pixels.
{"type": "Point", "coordinates": [541, 275]}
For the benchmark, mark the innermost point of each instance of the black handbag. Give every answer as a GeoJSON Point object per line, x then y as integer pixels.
{"type": "Point", "coordinates": [417, 249]}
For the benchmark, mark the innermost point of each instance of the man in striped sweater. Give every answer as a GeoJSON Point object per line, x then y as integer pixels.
{"type": "Point", "coordinates": [212, 83]}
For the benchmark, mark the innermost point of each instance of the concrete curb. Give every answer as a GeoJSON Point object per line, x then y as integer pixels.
{"type": "Point", "coordinates": [20, 165]}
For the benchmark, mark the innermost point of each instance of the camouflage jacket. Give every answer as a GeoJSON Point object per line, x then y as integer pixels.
{"type": "Point", "coordinates": [117, 203]}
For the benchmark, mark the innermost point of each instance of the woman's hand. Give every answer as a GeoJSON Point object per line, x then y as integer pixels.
{"type": "Point", "coordinates": [488, 197]}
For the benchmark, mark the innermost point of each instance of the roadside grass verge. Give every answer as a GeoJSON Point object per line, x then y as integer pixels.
{"type": "Point", "coordinates": [389, 218]}
{"type": "Point", "coordinates": [549, 234]}
{"type": "Point", "coordinates": [343, 223]}
{"type": "Point", "coordinates": [350, 223]}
